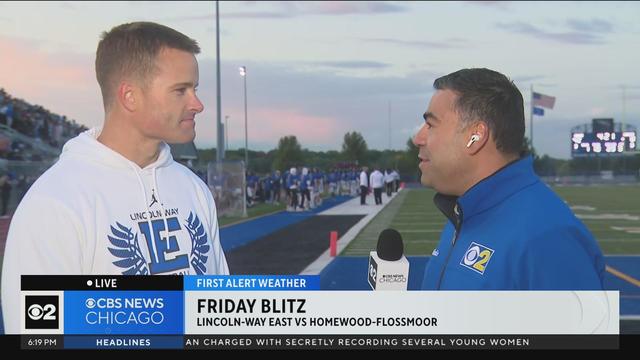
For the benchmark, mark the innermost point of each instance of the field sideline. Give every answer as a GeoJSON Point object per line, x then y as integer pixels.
{"type": "Point", "coordinates": [612, 214]}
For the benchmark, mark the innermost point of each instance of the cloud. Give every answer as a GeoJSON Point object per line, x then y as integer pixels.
{"type": "Point", "coordinates": [571, 37]}
{"type": "Point", "coordinates": [348, 7]}
{"type": "Point", "coordinates": [62, 82]}
{"type": "Point", "coordinates": [504, 5]}
{"type": "Point", "coordinates": [527, 78]}
{"type": "Point", "coordinates": [351, 64]}
{"type": "Point", "coordinates": [325, 104]}
{"type": "Point", "coordinates": [449, 44]}
{"type": "Point", "coordinates": [317, 105]}
{"type": "Point", "coordinates": [276, 123]}
{"type": "Point", "coordinates": [590, 26]}
{"type": "Point", "coordinates": [68, 5]}
{"type": "Point", "coordinates": [286, 9]}
{"type": "Point", "coordinates": [248, 15]}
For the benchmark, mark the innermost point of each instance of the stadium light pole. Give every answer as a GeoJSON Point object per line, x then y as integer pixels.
{"type": "Point", "coordinates": [243, 73]}
{"type": "Point", "coordinates": [226, 133]}
{"type": "Point", "coordinates": [219, 135]}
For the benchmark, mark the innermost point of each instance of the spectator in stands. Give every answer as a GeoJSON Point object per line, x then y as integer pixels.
{"type": "Point", "coordinates": [293, 184]}
{"type": "Point", "coordinates": [116, 202]}
{"type": "Point", "coordinates": [267, 185]}
{"type": "Point", "coordinates": [23, 185]}
{"type": "Point", "coordinates": [251, 189]}
{"type": "Point", "coordinates": [7, 111]}
{"type": "Point", "coordinates": [305, 191]}
{"type": "Point", "coordinates": [276, 187]}
{"type": "Point", "coordinates": [5, 193]}
{"type": "Point", "coordinates": [507, 230]}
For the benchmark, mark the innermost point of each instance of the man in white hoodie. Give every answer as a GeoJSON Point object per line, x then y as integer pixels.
{"type": "Point", "coordinates": [116, 203]}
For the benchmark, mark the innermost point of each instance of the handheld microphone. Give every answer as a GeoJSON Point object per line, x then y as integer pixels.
{"type": "Point", "coordinates": [388, 267]}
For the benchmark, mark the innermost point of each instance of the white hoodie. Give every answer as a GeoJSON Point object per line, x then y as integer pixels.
{"type": "Point", "coordinates": [95, 212]}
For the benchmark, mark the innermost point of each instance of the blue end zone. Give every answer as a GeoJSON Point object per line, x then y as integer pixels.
{"type": "Point", "coordinates": [350, 273]}
{"type": "Point", "coordinates": [629, 265]}
{"type": "Point", "coordinates": [235, 236]}
{"type": "Point", "coordinates": [629, 293]}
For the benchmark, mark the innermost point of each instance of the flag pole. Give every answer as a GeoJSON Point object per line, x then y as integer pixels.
{"type": "Point", "coordinates": [624, 107]}
{"type": "Point", "coordinates": [531, 121]}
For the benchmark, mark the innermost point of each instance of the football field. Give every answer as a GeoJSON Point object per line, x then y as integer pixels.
{"type": "Point", "coordinates": [612, 214]}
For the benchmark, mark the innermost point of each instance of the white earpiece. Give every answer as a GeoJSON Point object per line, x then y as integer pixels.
{"type": "Point", "coordinates": [474, 138]}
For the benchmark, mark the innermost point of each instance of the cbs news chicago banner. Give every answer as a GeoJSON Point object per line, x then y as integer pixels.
{"type": "Point", "coordinates": [291, 312]}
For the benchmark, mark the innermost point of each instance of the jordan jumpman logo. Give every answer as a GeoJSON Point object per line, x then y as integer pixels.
{"type": "Point", "coordinates": [153, 198]}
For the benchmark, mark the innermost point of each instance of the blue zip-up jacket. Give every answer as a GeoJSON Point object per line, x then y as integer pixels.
{"type": "Point", "coordinates": [292, 181]}
{"type": "Point", "coordinates": [510, 231]}
{"type": "Point", "coordinates": [303, 182]}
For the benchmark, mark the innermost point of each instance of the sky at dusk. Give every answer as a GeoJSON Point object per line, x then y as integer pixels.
{"type": "Point", "coordinates": [320, 69]}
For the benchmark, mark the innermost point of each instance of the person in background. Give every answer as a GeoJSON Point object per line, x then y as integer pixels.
{"type": "Point", "coordinates": [364, 185]}
{"type": "Point", "coordinates": [376, 180]}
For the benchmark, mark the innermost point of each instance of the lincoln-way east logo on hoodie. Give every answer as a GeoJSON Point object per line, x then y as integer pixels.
{"type": "Point", "coordinates": [126, 247]}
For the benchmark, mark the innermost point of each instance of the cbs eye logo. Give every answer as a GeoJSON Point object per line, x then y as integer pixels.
{"type": "Point", "coordinates": [41, 312]}
{"type": "Point", "coordinates": [477, 257]}
{"type": "Point", "coordinates": [372, 273]}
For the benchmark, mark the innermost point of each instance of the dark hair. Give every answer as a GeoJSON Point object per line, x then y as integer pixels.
{"type": "Point", "coordinates": [131, 50]}
{"type": "Point", "coordinates": [490, 96]}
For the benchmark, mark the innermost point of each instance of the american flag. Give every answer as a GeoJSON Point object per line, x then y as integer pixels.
{"type": "Point", "coordinates": [544, 101]}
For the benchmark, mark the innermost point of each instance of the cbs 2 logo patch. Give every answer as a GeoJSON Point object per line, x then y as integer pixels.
{"type": "Point", "coordinates": [41, 312]}
{"type": "Point", "coordinates": [477, 257]}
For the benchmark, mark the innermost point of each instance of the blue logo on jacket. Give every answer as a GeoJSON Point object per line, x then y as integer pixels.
{"type": "Point", "coordinates": [126, 247]}
{"type": "Point", "coordinates": [477, 257]}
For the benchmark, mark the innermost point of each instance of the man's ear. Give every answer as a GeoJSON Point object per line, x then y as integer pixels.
{"type": "Point", "coordinates": [477, 135]}
{"type": "Point", "coordinates": [127, 96]}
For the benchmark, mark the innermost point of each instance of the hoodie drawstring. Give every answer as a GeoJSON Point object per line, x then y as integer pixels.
{"type": "Point", "coordinates": [164, 214]}
{"type": "Point", "coordinates": [146, 204]}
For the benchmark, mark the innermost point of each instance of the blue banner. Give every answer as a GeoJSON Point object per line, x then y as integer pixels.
{"type": "Point", "coordinates": [252, 282]}
{"type": "Point", "coordinates": [124, 312]}
{"type": "Point", "coordinates": [123, 342]}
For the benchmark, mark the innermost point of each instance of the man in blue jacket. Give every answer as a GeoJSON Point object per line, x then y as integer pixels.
{"type": "Point", "coordinates": [507, 230]}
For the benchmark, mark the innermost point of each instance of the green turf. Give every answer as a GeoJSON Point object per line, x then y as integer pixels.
{"type": "Point", "coordinates": [616, 236]}
{"type": "Point", "coordinates": [420, 222]}
{"type": "Point", "coordinates": [414, 216]}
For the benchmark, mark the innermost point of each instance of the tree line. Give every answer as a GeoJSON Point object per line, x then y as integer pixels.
{"type": "Point", "coordinates": [354, 150]}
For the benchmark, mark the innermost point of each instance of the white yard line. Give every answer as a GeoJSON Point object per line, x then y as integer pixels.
{"type": "Point", "coordinates": [351, 207]}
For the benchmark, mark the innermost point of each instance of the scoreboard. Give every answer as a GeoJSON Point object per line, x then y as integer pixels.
{"type": "Point", "coordinates": [603, 143]}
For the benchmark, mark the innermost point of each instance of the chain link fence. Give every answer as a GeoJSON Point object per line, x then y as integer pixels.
{"type": "Point", "coordinates": [226, 181]}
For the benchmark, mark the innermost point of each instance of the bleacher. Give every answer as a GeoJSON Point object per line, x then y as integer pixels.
{"type": "Point", "coordinates": [31, 139]}
{"type": "Point", "coordinates": [37, 131]}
